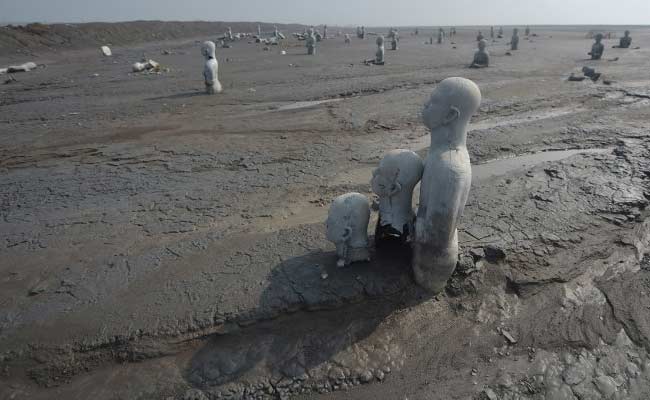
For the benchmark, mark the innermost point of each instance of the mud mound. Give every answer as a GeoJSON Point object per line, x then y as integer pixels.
{"type": "Point", "coordinates": [40, 37]}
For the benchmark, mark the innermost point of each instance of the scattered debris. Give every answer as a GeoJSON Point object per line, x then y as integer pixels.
{"type": "Point", "coordinates": [106, 51]}
{"type": "Point", "coordinates": [508, 336]}
{"type": "Point", "coordinates": [146, 65]}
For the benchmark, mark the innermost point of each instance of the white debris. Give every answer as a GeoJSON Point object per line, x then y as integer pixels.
{"type": "Point", "coordinates": [107, 51]}
{"type": "Point", "coordinates": [18, 68]}
{"type": "Point", "coordinates": [146, 65]}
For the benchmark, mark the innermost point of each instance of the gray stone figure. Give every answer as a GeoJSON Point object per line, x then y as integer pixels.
{"type": "Point", "coordinates": [347, 38]}
{"type": "Point", "coordinates": [347, 227]}
{"type": "Point", "coordinates": [211, 68]}
{"type": "Point", "coordinates": [625, 42]}
{"type": "Point", "coordinates": [480, 36]}
{"type": "Point", "coordinates": [481, 57]}
{"type": "Point", "coordinates": [363, 32]}
{"type": "Point", "coordinates": [598, 48]}
{"type": "Point", "coordinates": [259, 31]}
{"type": "Point", "coordinates": [229, 34]}
{"type": "Point", "coordinates": [417, 31]}
{"type": "Point", "coordinates": [440, 36]}
{"type": "Point", "coordinates": [311, 42]}
{"type": "Point", "coordinates": [393, 181]}
{"type": "Point", "coordinates": [527, 31]}
{"type": "Point", "coordinates": [445, 183]}
{"type": "Point", "coordinates": [318, 36]}
{"type": "Point", "coordinates": [500, 35]}
{"type": "Point", "coordinates": [514, 43]}
{"type": "Point", "coordinates": [276, 33]}
{"type": "Point", "coordinates": [394, 39]}
{"type": "Point", "coordinates": [381, 51]}
{"type": "Point", "coordinates": [491, 32]}
{"type": "Point", "coordinates": [325, 32]}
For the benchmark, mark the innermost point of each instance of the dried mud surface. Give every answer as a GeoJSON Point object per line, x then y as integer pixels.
{"type": "Point", "coordinates": [160, 243]}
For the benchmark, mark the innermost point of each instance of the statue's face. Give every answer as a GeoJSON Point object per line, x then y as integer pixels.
{"type": "Point", "coordinates": [435, 110]}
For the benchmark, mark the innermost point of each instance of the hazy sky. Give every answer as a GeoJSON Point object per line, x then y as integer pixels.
{"type": "Point", "coordinates": [336, 12]}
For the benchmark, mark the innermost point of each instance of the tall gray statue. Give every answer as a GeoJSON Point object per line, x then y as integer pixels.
{"type": "Point", "coordinates": [481, 57]}
{"type": "Point", "coordinates": [514, 44]}
{"type": "Point", "coordinates": [381, 51]}
{"type": "Point", "coordinates": [445, 183]}
{"type": "Point", "coordinates": [598, 48]}
{"type": "Point", "coordinates": [311, 42]}
{"type": "Point", "coordinates": [211, 68]}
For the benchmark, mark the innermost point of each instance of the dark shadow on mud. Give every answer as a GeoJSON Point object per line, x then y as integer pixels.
{"type": "Point", "coordinates": [179, 96]}
{"type": "Point", "coordinates": [323, 311]}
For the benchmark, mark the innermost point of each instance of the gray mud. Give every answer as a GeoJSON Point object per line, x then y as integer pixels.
{"type": "Point", "coordinates": [160, 243]}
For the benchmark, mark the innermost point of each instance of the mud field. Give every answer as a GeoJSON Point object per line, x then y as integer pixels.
{"type": "Point", "coordinates": [158, 243]}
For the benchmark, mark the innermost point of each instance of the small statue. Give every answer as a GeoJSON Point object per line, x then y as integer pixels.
{"type": "Point", "coordinates": [527, 31]}
{"type": "Point", "coordinates": [211, 68]}
{"type": "Point", "coordinates": [318, 36]}
{"type": "Point", "coordinates": [625, 42]}
{"type": "Point", "coordinates": [445, 183]}
{"type": "Point", "coordinates": [347, 228]}
{"type": "Point", "coordinates": [398, 174]}
{"type": "Point", "coordinates": [598, 48]}
{"type": "Point", "coordinates": [381, 51]}
{"type": "Point", "coordinates": [259, 31]}
{"type": "Point", "coordinates": [514, 43]}
{"type": "Point", "coordinates": [440, 36]}
{"type": "Point", "coordinates": [347, 38]}
{"type": "Point", "coordinates": [500, 35]}
{"type": "Point", "coordinates": [325, 32]}
{"type": "Point", "coordinates": [229, 34]}
{"type": "Point", "coordinates": [363, 33]}
{"type": "Point", "coordinates": [311, 42]}
{"type": "Point", "coordinates": [394, 39]}
{"type": "Point", "coordinates": [491, 32]}
{"type": "Point", "coordinates": [480, 36]}
{"type": "Point", "coordinates": [481, 57]}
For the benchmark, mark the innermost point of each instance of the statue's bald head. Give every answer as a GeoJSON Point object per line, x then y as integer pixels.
{"type": "Point", "coordinates": [452, 102]}
{"type": "Point", "coordinates": [209, 49]}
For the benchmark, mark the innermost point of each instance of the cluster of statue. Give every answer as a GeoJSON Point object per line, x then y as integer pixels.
{"type": "Point", "coordinates": [211, 68]}
{"type": "Point", "coordinates": [445, 179]}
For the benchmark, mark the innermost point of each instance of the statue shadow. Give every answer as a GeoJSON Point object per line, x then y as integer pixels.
{"type": "Point", "coordinates": [311, 311]}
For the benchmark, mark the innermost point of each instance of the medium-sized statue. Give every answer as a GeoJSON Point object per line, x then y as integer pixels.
{"type": "Point", "coordinates": [625, 42]}
{"type": "Point", "coordinates": [311, 42]}
{"type": "Point", "coordinates": [481, 57]}
{"type": "Point", "coordinates": [347, 38]}
{"type": "Point", "coordinates": [211, 68]}
{"type": "Point", "coordinates": [347, 228]}
{"type": "Point", "coordinates": [398, 174]}
{"type": "Point", "coordinates": [514, 43]}
{"type": "Point", "coordinates": [445, 183]}
{"type": "Point", "coordinates": [598, 48]}
{"type": "Point", "coordinates": [381, 51]}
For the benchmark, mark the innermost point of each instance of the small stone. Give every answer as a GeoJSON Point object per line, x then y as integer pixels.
{"type": "Point", "coordinates": [366, 376]}
{"type": "Point", "coordinates": [494, 253]}
{"type": "Point", "coordinates": [508, 336]}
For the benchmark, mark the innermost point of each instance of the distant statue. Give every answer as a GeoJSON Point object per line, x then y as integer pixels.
{"type": "Point", "coordinates": [394, 39]}
{"type": "Point", "coordinates": [417, 31]}
{"type": "Point", "coordinates": [479, 37]}
{"type": "Point", "coordinates": [318, 36]}
{"type": "Point", "coordinates": [625, 42]}
{"type": "Point", "coordinates": [276, 33]}
{"type": "Point", "coordinates": [211, 68]}
{"type": "Point", "coordinates": [441, 37]}
{"type": "Point", "coordinates": [363, 32]}
{"type": "Point", "coordinates": [446, 181]}
{"type": "Point", "coordinates": [381, 51]}
{"type": "Point", "coordinates": [394, 181]}
{"type": "Point", "coordinates": [481, 57]}
{"type": "Point", "coordinates": [259, 31]}
{"type": "Point", "coordinates": [598, 48]}
{"type": "Point", "coordinates": [311, 42]}
{"type": "Point", "coordinates": [347, 38]}
{"type": "Point", "coordinates": [229, 34]}
{"type": "Point", "coordinates": [514, 43]}
{"type": "Point", "coordinates": [491, 32]}
{"type": "Point", "coordinates": [527, 31]}
{"type": "Point", "coordinates": [500, 35]}
{"type": "Point", "coordinates": [325, 32]}
{"type": "Point", "coordinates": [347, 227]}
